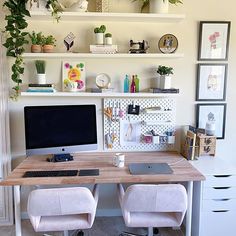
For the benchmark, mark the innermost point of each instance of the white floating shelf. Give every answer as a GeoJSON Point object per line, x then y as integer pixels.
{"type": "Point", "coordinates": [93, 55]}
{"type": "Point", "coordinates": [98, 16]}
{"type": "Point", "coordinates": [99, 95]}
{"type": "Point", "coordinates": [153, 123]}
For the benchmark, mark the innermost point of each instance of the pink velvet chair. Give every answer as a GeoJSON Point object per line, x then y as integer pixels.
{"type": "Point", "coordinates": [62, 209]}
{"type": "Point", "coordinates": [145, 205]}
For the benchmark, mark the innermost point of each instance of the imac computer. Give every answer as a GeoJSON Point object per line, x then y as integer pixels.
{"type": "Point", "coordinates": [60, 129]}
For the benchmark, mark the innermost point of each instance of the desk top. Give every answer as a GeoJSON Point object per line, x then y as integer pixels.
{"type": "Point", "coordinates": [182, 169]}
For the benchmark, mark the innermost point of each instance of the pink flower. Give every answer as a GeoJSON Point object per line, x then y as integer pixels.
{"type": "Point", "coordinates": [80, 84]}
{"type": "Point", "coordinates": [217, 34]}
{"type": "Point", "coordinates": [67, 65]}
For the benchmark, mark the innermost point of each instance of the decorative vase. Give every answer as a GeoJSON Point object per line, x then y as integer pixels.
{"type": "Point", "coordinates": [102, 5]}
{"type": "Point", "coordinates": [99, 38]}
{"type": "Point", "coordinates": [108, 40]}
{"type": "Point", "coordinates": [41, 78]}
{"type": "Point", "coordinates": [36, 48]}
{"type": "Point", "coordinates": [159, 6]}
{"type": "Point", "coordinates": [165, 82]}
{"type": "Point", "coordinates": [48, 48]}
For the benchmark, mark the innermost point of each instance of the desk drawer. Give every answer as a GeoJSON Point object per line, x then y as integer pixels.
{"type": "Point", "coordinates": [219, 205]}
{"type": "Point", "coordinates": [219, 192]}
{"type": "Point", "coordinates": [220, 181]}
{"type": "Point", "coordinates": [218, 223]}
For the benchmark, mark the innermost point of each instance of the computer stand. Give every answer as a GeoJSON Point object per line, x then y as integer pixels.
{"type": "Point", "coordinates": [60, 158]}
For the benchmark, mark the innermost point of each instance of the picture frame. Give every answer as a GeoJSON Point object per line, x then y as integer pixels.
{"type": "Point", "coordinates": [211, 82]}
{"type": "Point", "coordinates": [214, 40]}
{"type": "Point", "coordinates": [168, 43]}
{"type": "Point", "coordinates": [216, 112]}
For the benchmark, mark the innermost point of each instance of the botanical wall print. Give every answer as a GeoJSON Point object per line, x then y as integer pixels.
{"type": "Point", "coordinates": [214, 113]}
{"type": "Point", "coordinates": [214, 40]}
{"type": "Point", "coordinates": [73, 76]}
{"type": "Point", "coordinates": [211, 82]}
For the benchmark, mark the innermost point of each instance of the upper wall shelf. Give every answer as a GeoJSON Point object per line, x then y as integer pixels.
{"type": "Point", "coordinates": [93, 55]}
{"type": "Point", "coordinates": [100, 95]}
{"type": "Point", "coordinates": [119, 17]}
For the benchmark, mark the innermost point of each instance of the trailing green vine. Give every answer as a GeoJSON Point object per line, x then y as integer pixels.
{"type": "Point", "coordinates": [16, 38]}
{"type": "Point", "coordinates": [55, 8]}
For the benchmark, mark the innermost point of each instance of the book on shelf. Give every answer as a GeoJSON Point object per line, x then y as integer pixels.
{"type": "Point", "coordinates": [104, 49]}
{"type": "Point", "coordinates": [41, 85]}
{"type": "Point", "coordinates": [98, 90]}
{"type": "Point", "coordinates": [49, 90]}
{"type": "Point", "coordinates": [159, 90]}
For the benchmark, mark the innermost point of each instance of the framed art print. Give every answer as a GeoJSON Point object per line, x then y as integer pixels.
{"type": "Point", "coordinates": [73, 76]}
{"type": "Point", "coordinates": [168, 43]}
{"type": "Point", "coordinates": [214, 40]}
{"type": "Point", "coordinates": [212, 113]}
{"type": "Point", "coordinates": [211, 82]}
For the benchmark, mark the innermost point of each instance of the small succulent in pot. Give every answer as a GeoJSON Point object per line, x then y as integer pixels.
{"type": "Point", "coordinates": [40, 66]}
{"type": "Point", "coordinates": [164, 70]}
{"type": "Point", "coordinates": [108, 39]}
{"type": "Point", "coordinates": [99, 32]}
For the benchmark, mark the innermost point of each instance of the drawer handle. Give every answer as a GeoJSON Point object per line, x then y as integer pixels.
{"type": "Point", "coordinates": [222, 176]}
{"type": "Point", "coordinates": [221, 187]}
{"type": "Point", "coordinates": [221, 200]}
{"type": "Point", "coordinates": [221, 211]}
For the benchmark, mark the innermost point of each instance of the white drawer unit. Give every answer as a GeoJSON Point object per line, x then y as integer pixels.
{"type": "Point", "coordinates": [214, 200]}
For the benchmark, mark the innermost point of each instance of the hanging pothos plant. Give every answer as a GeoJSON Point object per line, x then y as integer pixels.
{"type": "Point", "coordinates": [17, 36]}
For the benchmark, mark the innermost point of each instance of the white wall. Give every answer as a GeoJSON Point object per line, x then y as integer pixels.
{"type": "Point", "coordinates": [185, 68]}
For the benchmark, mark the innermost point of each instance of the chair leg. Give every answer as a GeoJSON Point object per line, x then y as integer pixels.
{"type": "Point", "coordinates": [150, 231]}
{"type": "Point", "coordinates": [66, 233]}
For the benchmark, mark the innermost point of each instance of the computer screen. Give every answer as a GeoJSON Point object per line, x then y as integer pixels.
{"type": "Point", "coordinates": [60, 129]}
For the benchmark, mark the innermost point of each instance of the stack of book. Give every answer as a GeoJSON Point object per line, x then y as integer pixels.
{"type": "Point", "coordinates": [41, 88]}
{"type": "Point", "coordinates": [158, 90]}
{"type": "Point", "coordinates": [104, 49]}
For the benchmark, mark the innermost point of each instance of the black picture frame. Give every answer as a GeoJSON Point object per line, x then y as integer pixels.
{"type": "Point", "coordinates": [219, 112]}
{"type": "Point", "coordinates": [211, 82]}
{"type": "Point", "coordinates": [214, 35]}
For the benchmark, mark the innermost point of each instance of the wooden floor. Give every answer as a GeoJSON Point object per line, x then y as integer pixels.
{"type": "Point", "coordinates": [103, 226]}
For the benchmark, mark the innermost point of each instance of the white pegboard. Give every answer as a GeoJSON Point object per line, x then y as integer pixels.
{"type": "Point", "coordinates": [167, 113]}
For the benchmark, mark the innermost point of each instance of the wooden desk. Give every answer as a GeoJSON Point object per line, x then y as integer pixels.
{"type": "Point", "coordinates": [183, 171]}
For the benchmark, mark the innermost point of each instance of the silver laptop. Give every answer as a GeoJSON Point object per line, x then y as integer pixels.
{"type": "Point", "coordinates": [149, 168]}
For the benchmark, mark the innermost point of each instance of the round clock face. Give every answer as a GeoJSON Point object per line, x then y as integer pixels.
{"type": "Point", "coordinates": [103, 80]}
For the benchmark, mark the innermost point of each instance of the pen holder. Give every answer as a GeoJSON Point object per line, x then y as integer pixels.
{"type": "Point", "coordinates": [147, 138]}
{"type": "Point", "coordinates": [155, 139]}
{"type": "Point", "coordinates": [170, 139]}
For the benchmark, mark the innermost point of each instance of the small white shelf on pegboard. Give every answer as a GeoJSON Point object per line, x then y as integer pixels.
{"type": "Point", "coordinates": [153, 123]}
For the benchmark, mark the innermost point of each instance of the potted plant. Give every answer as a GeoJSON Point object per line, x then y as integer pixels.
{"type": "Point", "coordinates": [108, 39]}
{"type": "Point", "coordinates": [99, 33]}
{"type": "Point", "coordinates": [48, 44]}
{"type": "Point", "coordinates": [40, 69]}
{"type": "Point", "coordinates": [164, 80]}
{"type": "Point", "coordinates": [158, 6]}
{"type": "Point", "coordinates": [36, 39]}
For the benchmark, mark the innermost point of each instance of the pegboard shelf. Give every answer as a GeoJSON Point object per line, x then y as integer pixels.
{"type": "Point", "coordinates": [99, 95]}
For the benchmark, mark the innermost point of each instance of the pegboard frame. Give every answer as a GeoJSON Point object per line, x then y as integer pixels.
{"type": "Point", "coordinates": [168, 113]}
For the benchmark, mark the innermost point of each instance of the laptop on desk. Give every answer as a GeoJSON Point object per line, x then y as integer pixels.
{"type": "Point", "coordinates": [149, 168]}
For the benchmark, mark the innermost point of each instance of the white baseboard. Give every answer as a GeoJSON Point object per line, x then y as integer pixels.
{"type": "Point", "coordinates": [99, 213]}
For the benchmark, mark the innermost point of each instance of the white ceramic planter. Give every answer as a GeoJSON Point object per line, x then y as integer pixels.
{"type": "Point", "coordinates": [159, 6]}
{"type": "Point", "coordinates": [108, 40]}
{"type": "Point", "coordinates": [165, 82]}
{"type": "Point", "coordinates": [41, 78]}
{"type": "Point", "coordinates": [99, 38]}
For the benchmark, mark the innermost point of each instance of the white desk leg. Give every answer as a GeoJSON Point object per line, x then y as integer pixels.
{"type": "Point", "coordinates": [17, 210]}
{"type": "Point", "coordinates": [189, 209]}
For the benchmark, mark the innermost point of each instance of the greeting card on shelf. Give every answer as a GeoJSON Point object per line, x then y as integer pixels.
{"type": "Point", "coordinates": [73, 76]}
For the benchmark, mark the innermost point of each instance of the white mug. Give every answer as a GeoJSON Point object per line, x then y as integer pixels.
{"type": "Point", "coordinates": [119, 160]}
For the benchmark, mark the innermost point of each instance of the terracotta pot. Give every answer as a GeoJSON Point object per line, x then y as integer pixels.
{"type": "Point", "coordinates": [36, 48]}
{"type": "Point", "coordinates": [48, 48]}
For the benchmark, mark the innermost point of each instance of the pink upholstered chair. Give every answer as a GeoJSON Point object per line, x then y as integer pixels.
{"type": "Point", "coordinates": [62, 209]}
{"type": "Point", "coordinates": [145, 205]}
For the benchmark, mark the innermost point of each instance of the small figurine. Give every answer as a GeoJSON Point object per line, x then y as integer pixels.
{"type": "Point", "coordinates": [69, 41]}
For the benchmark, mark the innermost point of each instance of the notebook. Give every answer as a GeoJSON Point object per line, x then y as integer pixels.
{"type": "Point", "coordinates": [149, 168]}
